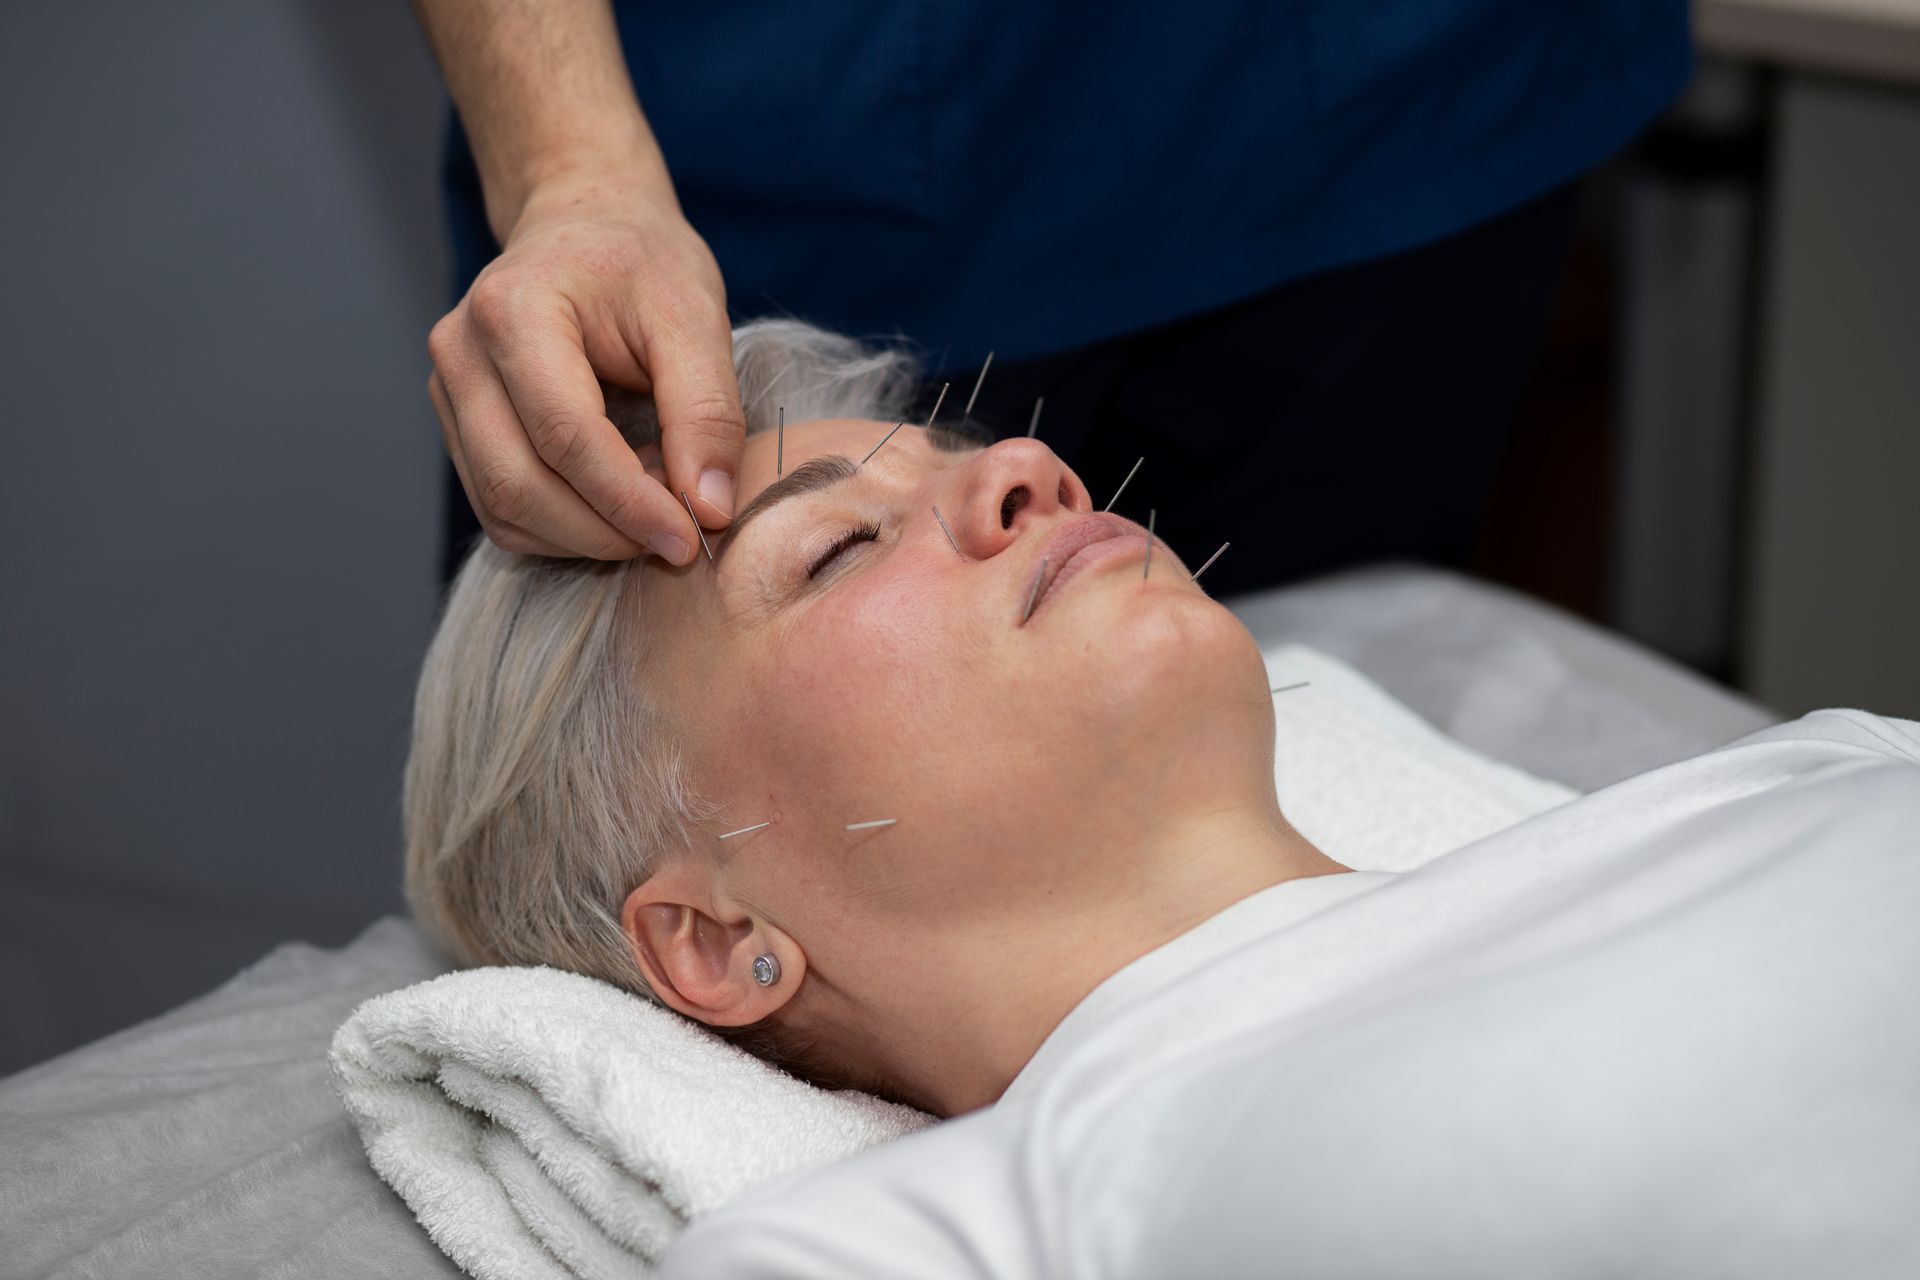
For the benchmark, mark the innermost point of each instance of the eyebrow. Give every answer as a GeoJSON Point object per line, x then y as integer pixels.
{"type": "Point", "coordinates": [811, 476]}
{"type": "Point", "coordinates": [824, 472]}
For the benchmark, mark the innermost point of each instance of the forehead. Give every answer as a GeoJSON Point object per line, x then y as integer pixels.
{"type": "Point", "coordinates": [850, 437]}
{"type": "Point", "coordinates": [810, 439]}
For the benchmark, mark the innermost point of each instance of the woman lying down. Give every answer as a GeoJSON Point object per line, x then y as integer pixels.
{"type": "Point", "coordinates": [1669, 1028]}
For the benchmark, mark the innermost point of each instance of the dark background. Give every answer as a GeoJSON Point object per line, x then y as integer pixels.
{"type": "Point", "coordinates": [219, 494]}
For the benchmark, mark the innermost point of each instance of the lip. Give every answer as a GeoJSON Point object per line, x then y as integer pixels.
{"type": "Point", "coordinates": [1068, 550]}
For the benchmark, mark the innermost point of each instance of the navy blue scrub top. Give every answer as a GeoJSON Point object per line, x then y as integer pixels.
{"type": "Point", "coordinates": [1034, 176]}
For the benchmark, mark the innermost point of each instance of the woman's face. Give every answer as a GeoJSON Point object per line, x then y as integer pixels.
{"type": "Point", "coordinates": [841, 661]}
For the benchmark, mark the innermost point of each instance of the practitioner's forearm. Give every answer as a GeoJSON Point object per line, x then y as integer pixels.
{"type": "Point", "coordinates": [543, 90]}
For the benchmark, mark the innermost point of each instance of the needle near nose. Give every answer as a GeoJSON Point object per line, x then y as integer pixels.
{"type": "Point", "coordinates": [1123, 487]}
{"type": "Point", "coordinates": [943, 528]}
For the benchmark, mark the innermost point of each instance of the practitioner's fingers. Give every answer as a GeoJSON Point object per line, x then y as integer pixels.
{"type": "Point", "coordinates": [697, 395]}
{"type": "Point", "coordinates": [507, 537]}
{"type": "Point", "coordinates": [553, 405]}
{"type": "Point", "coordinates": [652, 461]}
{"type": "Point", "coordinates": [522, 504]}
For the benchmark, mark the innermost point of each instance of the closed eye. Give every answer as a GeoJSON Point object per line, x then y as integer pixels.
{"type": "Point", "coordinates": [859, 533]}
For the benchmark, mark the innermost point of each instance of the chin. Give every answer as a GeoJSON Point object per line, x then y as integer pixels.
{"type": "Point", "coordinates": [1176, 659]}
{"type": "Point", "coordinates": [1155, 701]}
{"type": "Point", "coordinates": [1185, 628]}
{"type": "Point", "coordinates": [1169, 708]}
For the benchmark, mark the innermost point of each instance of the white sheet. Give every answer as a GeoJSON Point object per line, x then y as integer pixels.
{"type": "Point", "coordinates": [1665, 1029]}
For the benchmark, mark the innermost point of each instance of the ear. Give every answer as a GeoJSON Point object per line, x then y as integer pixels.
{"type": "Point", "coordinates": [695, 957]}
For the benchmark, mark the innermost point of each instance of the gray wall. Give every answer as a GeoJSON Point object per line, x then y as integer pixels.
{"type": "Point", "coordinates": [219, 493]}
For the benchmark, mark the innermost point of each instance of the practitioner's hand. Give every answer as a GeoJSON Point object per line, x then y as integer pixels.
{"type": "Point", "coordinates": [599, 280]}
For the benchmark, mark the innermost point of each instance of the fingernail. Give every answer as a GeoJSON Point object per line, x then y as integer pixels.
{"type": "Point", "coordinates": [670, 548]}
{"type": "Point", "coordinates": [716, 489]}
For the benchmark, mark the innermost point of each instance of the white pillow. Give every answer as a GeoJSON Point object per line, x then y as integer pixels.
{"type": "Point", "coordinates": [1372, 784]}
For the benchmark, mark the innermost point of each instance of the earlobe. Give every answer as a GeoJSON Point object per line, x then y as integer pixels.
{"type": "Point", "coordinates": [701, 966]}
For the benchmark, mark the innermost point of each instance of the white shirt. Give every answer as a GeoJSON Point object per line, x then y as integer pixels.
{"type": "Point", "coordinates": [1670, 1028]}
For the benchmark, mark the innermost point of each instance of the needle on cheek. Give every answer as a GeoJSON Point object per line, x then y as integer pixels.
{"type": "Point", "coordinates": [1210, 559]}
{"type": "Point", "coordinates": [1033, 596]}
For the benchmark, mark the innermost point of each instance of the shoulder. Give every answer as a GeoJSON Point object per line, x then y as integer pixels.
{"type": "Point", "coordinates": [1843, 729]}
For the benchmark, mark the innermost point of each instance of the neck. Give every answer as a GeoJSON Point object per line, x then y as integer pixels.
{"type": "Point", "coordinates": [1001, 993]}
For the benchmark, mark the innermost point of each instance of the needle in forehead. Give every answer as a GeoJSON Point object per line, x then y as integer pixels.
{"type": "Point", "coordinates": [1035, 424]}
{"type": "Point", "coordinates": [1148, 566]}
{"type": "Point", "coordinates": [696, 525]}
{"type": "Point", "coordinates": [1123, 487]}
{"type": "Point", "coordinates": [883, 440]}
{"type": "Point", "coordinates": [896, 426]}
{"type": "Point", "coordinates": [967, 414]}
{"type": "Point", "coordinates": [780, 446]}
{"type": "Point", "coordinates": [868, 826]}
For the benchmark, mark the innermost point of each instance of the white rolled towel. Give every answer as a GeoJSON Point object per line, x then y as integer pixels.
{"type": "Point", "coordinates": [544, 1124]}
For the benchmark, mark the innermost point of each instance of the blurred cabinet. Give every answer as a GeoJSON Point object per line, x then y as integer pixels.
{"type": "Point", "coordinates": [1769, 450]}
{"type": "Point", "coordinates": [1831, 613]}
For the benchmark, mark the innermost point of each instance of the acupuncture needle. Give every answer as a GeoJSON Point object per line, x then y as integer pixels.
{"type": "Point", "coordinates": [1210, 559]}
{"type": "Point", "coordinates": [883, 440]}
{"type": "Point", "coordinates": [896, 426]}
{"type": "Point", "coordinates": [728, 835]}
{"type": "Point", "coordinates": [943, 528]}
{"type": "Point", "coordinates": [696, 524]}
{"type": "Point", "coordinates": [1283, 688]}
{"type": "Point", "coordinates": [966, 415]}
{"type": "Point", "coordinates": [780, 446]}
{"type": "Point", "coordinates": [1123, 487]}
{"type": "Point", "coordinates": [1148, 566]}
{"type": "Point", "coordinates": [1035, 424]}
{"type": "Point", "coordinates": [868, 826]}
{"type": "Point", "coordinates": [1033, 596]}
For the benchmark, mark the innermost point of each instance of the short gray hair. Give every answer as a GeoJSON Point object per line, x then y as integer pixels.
{"type": "Point", "coordinates": [545, 782]}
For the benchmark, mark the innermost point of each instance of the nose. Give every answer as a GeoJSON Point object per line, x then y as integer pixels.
{"type": "Point", "coordinates": [1009, 489]}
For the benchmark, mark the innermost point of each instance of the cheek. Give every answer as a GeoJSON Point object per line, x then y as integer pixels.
{"type": "Point", "coordinates": [893, 645]}
{"type": "Point", "coordinates": [845, 694]}
{"type": "Point", "coordinates": [846, 718]}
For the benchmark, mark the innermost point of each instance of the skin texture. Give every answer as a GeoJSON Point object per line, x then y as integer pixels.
{"type": "Point", "coordinates": [1071, 793]}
